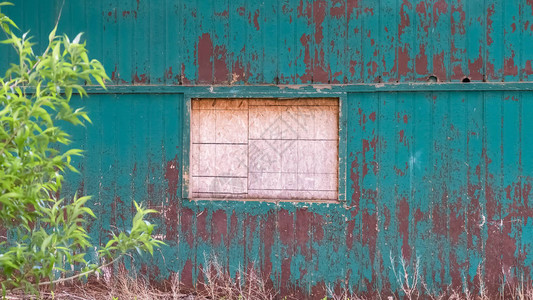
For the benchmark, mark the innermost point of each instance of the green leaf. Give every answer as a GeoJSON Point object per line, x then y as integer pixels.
{"type": "Point", "coordinates": [34, 161]}
{"type": "Point", "coordinates": [84, 57]}
{"type": "Point", "coordinates": [46, 242]}
{"type": "Point", "coordinates": [77, 38]}
{"type": "Point", "coordinates": [99, 80]}
{"type": "Point", "coordinates": [68, 92]}
{"type": "Point", "coordinates": [55, 53]}
{"type": "Point", "coordinates": [52, 34]}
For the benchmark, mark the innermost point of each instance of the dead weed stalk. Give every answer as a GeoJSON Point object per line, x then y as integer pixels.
{"type": "Point", "coordinates": [407, 282]}
{"type": "Point", "coordinates": [247, 284]}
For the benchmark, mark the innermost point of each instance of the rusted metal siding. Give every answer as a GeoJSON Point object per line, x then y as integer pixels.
{"type": "Point", "coordinates": [297, 41]}
{"type": "Point", "coordinates": [436, 172]}
{"type": "Point", "coordinates": [444, 177]}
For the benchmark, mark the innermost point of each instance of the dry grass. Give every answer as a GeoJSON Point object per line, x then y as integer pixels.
{"type": "Point", "coordinates": [217, 283]}
{"type": "Point", "coordinates": [408, 281]}
{"type": "Point", "coordinates": [412, 286]}
{"type": "Point", "coordinates": [344, 294]}
{"type": "Point", "coordinates": [247, 284]}
{"type": "Point", "coordinates": [120, 286]}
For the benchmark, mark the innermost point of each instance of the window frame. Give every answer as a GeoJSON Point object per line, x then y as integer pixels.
{"type": "Point", "coordinates": [342, 150]}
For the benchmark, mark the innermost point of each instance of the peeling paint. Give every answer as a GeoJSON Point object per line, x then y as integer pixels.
{"type": "Point", "coordinates": [476, 67]}
{"type": "Point", "coordinates": [205, 53]}
{"type": "Point", "coordinates": [421, 61]}
{"type": "Point", "coordinates": [509, 65]}
{"type": "Point", "coordinates": [440, 7]}
{"type": "Point", "coordinates": [490, 13]}
{"type": "Point", "coordinates": [399, 203]}
{"type": "Point", "coordinates": [439, 69]}
{"type": "Point", "coordinates": [528, 70]}
{"type": "Point", "coordinates": [443, 176]}
{"type": "Point", "coordinates": [320, 43]}
{"type": "Point", "coordinates": [337, 8]}
{"type": "Point", "coordinates": [140, 79]}
{"type": "Point", "coordinates": [256, 22]}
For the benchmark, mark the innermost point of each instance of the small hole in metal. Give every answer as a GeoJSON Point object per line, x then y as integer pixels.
{"type": "Point", "coordinates": [466, 79]}
{"type": "Point", "coordinates": [433, 78]}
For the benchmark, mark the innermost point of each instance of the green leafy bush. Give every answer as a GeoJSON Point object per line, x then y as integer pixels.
{"type": "Point", "coordinates": [46, 234]}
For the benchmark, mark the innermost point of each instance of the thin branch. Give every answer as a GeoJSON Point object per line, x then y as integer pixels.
{"type": "Point", "coordinates": [70, 296]}
{"type": "Point", "coordinates": [50, 42]}
{"type": "Point", "coordinates": [11, 138]}
{"type": "Point", "coordinates": [73, 276]}
{"type": "Point", "coordinates": [29, 71]}
{"type": "Point", "coordinates": [81, 274]}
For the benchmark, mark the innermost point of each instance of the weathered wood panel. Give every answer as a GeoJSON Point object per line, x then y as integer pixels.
{"type": "Point", "coordinates": [264, 149]}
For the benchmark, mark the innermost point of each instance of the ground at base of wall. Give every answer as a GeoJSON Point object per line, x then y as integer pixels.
{"type": "Point", "coordinates": [118, 288]}
{"type": "Point", "coordinates": [125, 287]}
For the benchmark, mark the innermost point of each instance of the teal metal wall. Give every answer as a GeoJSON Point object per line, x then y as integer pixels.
{"type": "Point", "coordinates": [444, 177]}
{"type": "Point", "coordinates": [440, 172]}
{"type": "Point", "coordinates": [296, 41]}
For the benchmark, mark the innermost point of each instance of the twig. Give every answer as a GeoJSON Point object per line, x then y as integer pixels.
{"type": "Point", "coordinates": [64, 294]}
{"type": "Point", "coordinates": [81, 274]}
{"type": "Point", "coordinates": [73, 276]}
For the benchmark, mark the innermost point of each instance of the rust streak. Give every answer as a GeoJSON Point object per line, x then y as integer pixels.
{"type": "Point", "coordinates": [402, 60]}
{"type": "Point", "coordinates": [528, 69]}
{"type": "Point", "coordinates": [256, 20]}
{"type": "Point", "coordinates": [421, 61]}
{"type": "Point", "coordinates": [221, 68]}
{"type": "Point", "coordinates": [509, 66]}
{"type": "Point", "coordinates": [476, 67]}
{"type": "Point", "coordinates": [319, 15]}
{"type": "Point", "coordinates": [219, 225]}
{"type": "Point", "coordinates": [307, 76]}
{"type": "Point", "coordinates": [354, 5]}
{"type": "Point", "coordinates": [490, 13]}
{"type": "Point", "coordinates": [354, 176]}
{"type": "Point", "coordinates": [337, 8]}
{"type": "Point", "coordinates": [140, 79]}
{"type": "Point", "coordinates": [306, 11]}
{"type": "Point", "coordinates": [440, 7]}
{"type": "Point", "coordinates": [439, 69]}
{"type": "Point", "coordinates": [403, 227]}
{"type": "Point", "coordinates": [205, 55]}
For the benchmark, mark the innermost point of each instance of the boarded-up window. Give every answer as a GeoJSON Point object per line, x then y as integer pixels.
{"type": "Point", "coordinates": [264, 149]}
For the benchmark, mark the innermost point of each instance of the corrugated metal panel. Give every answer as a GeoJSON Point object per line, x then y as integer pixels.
{"type": "Point", "coordinates": [293, 42]}
{"type": "Point", "coordinates": [444, 176]}
{"type": "Point", "coordinates": [446, 172]}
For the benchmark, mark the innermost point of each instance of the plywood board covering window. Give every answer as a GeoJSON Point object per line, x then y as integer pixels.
{"type": "Point", "coordinates": [264, 149]}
